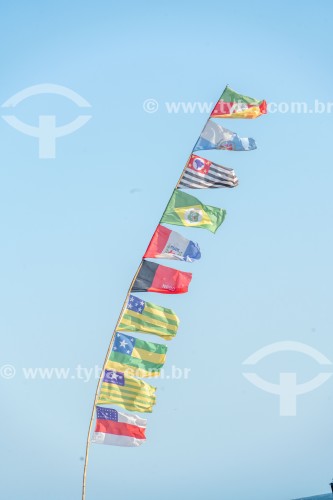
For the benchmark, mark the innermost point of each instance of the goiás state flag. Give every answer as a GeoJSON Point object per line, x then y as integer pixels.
{"type": "Point", "coordinates": [167, 244]}
{"type": "Point", "coordinates": [118, 429]}
{"type": "Point", "coordinates": [136, 357]}
{"type": "Point", "coordinates": [129, 392]}
{"type": "Point", "coordinates": [214, 136]}
{"type": "Point", "coordinates": [161, 279]}
{"type": "Point", "coordinates": [185, 210]}
{"type": "Point", "coordinates": [201, 173]}
{"type": "Point", "coordinates": [146, 317]}
{"type": "Point", "coordinates": [234, 105]}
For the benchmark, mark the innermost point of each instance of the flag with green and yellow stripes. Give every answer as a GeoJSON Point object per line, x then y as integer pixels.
{"type": "Point", "coordinates": [141, 316]}
{"type": "Point", "coordinates": [126, 391]}
{"type": "Point", "coordinates": [136, 357]}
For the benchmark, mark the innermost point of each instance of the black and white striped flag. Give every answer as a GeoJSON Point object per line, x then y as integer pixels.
{"type": "Point", "coordinates": [201, 173]}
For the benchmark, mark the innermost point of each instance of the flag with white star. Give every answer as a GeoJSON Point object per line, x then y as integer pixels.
{"type": "Point", "coordinates": [136, 357]}
{"type": "Point", "coordinates": [124, 390]}
{"type": "Point", "coordinates": [146, 317]}
{"type": "Point", "coordinates": [118, 429]}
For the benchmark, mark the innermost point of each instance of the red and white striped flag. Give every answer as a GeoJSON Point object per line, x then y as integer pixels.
{"type": "Point", "coordinates": [118, 429]}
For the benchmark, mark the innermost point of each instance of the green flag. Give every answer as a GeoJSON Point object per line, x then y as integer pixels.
{"type": "Point", "coordinates": [145, 317]}
{"type": "Point", "coordinates": [129, 392]}
{"type": "Point", "coordinates": [186, 210]}
{"type": "Point", "coordinates": [136, 357]}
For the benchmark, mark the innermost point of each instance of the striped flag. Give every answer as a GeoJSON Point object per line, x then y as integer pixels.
{"type": "Point", "coordinates": [136, 357]}
{"type": "Point", "coordinates": [126, 391]}
{"type": "Point", "coordinates": [118, 429]}
{"type": "Point", "coordinates": [201, 173]}
{"type": "Point", "coordinates": [145, 317]}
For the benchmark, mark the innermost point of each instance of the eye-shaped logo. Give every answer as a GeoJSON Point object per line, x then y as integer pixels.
{"type": "Point", "coordinates": [287, 389]}
{"type": "Point", "coordinates": [47, 132]}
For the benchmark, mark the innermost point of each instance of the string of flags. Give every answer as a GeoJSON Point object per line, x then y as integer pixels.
{"type": "Point", "coordinates": [130, 359]}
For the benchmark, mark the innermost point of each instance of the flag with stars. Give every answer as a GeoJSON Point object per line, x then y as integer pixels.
{"type": "Point", "coordinates": [201, 173]}
{"type": "Point", "coordinates": [118, 429]}
{"type": "Point", "coordinates": [146, 317]}
{"type": "Point", "coordinates": [136, 357]}
{"type": "Point", "coordinates": [124, 390]}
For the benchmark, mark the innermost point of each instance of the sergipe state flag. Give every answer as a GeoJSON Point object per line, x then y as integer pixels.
{"type": "Point", "coordinates": [126, 391]}
{"type": "Point", "coordinates": [234, 105]}
{"type": "Point", "coordinates": [214, 136]}
{"type": "Point", "coordinates": [146, 317]}
{"type": "Point", "coordinates": [118, 429]}
{"type": "Point", "coordinates": [185, 210]}
{"type": "Point", "coordinates": [161, 279]}
{"type": "Point", "coordinates": [201, 173]}
{"type": "Point", "coordinates": [167, 244]}
{"type": "Point", "coordinates": [136, 357]}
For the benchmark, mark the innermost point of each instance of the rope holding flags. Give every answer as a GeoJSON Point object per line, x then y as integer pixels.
{"type": "Point", "coordinates": [129, 358]}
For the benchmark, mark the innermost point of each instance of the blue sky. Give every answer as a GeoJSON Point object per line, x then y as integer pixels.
{"type": "Point", "coordinates": [74, 229]}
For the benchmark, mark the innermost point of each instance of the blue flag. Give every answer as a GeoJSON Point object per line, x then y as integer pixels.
{"type": "Point", "coordinates": [214, 136]}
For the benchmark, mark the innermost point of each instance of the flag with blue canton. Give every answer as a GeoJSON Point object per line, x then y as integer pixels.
{"type": "Point", "coordinates": [136, 357]}
{"type": "Point", "coordinates": [118, 429]}
{"type": "Point", "coordinates": [143, 316]}
{"type": "Point", "coordinates": [107, 413]}
{"type": "Point", "coordinates": [112, 377]}
{"type": "Point", "coordinates": [135, 304]}
{"type": "Point", "coordinates": [124, 344]}
{"type": "Point", "coordinates": [126, 391]}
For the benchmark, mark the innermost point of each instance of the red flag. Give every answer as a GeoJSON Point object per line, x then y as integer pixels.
{"type": "Point", "coordinates": [167, 244]}
{"type": "Point", "coordinates": [156, 278]}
